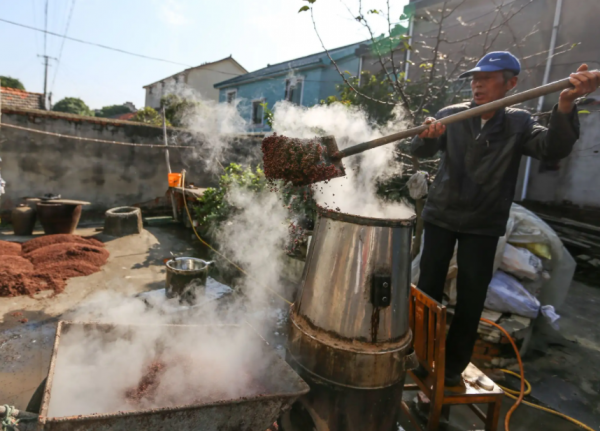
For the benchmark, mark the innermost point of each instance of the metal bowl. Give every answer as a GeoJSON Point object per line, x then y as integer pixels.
{"type": "Point", "coordinates": [191, 264]}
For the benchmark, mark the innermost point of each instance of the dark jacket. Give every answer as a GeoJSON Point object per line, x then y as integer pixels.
{"type": "Point", "coordinates": [475, 184]}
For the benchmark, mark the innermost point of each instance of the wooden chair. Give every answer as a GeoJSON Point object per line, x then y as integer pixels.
{"type": "Point", "coordinates": [427, 319]}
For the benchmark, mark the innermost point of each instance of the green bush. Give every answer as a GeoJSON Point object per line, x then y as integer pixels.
{"type": "Point", "coordinates": [8, 82]}
{"type": "Point", "coordinates": [149, 115]}
{"type": "Point", "coordinates": [214, 209]}
{"type": "Point", "coordinates": [176, 108]}
{"type": "Point", "coordinates": [73, 105]}
{"type": "Point", "coordinates": [112, 110]}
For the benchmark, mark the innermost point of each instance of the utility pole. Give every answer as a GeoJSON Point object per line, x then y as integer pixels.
{"type": "Point", "coordinates": [46, 58]}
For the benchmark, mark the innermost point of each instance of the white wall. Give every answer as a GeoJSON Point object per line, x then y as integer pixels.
{"type": "Point", "coordinates": [577, 180]}
{"type": "Point", "coordinates": [203, 79]}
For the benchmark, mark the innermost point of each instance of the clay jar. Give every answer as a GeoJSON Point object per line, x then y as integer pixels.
{"type": "Point", "coordinates": [23, 220]}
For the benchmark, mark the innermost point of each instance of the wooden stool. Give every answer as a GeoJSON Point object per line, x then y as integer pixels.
{"type": "Point", "coordinates": [427, 320]}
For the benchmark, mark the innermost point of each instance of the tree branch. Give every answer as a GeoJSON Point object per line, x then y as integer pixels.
{"type": "Point", "coordinates": [338, 68]}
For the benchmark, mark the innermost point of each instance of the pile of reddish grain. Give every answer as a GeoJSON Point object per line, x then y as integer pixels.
{"type": "Point", "coordinates": [148, 384]}
{"type": "Point", "coordinates": [46, 263]}
{"type": "Point", "coordinates": [298, 161]}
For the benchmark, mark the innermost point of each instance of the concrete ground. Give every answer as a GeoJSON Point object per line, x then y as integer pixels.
{"type": "Point", "coordinates": [562, 367]}
{"type": "Point", "coordinates": [135, 265]}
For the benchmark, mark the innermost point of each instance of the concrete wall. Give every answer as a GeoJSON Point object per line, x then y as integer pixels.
{"type": "Point", "coordinates": [107, 175]}
{"type": "Point", "coordinates": [577, 180]}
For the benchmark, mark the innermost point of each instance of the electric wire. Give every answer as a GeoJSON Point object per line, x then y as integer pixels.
{"type": "Point", "coordinates": [45, 25]}
{"type": "Point", "coordinates": [46, 32]}
{"type": "Point", "coordinates": [62, 45]}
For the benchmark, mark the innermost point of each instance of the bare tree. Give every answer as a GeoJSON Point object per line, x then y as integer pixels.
{"type": "Point", "coordinates": [442, 46]}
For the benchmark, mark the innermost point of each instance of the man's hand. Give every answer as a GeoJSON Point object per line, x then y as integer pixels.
{"type": "Point", "coordinates": [585, 82]}
{"type": "Point", "coordinates": [435, 129]}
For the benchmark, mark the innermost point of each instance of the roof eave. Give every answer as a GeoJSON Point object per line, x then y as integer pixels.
{"type": "Point", "coordinates": [225, 84]}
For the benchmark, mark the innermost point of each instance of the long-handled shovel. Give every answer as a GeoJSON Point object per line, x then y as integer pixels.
{"type": "Point", "coordinates": [286, 158]}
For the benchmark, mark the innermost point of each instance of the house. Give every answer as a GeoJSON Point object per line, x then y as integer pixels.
{"type": "Point", "coordinates": [200, 78]}
{"type": "Point", "coordinates": [552, 38]}
{"type": "Point", "coordinates": [304, 81]}
{"type": "Point", "coordinates": [21, 99]}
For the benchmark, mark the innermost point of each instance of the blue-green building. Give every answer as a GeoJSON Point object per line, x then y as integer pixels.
{"type": "Point", "coordinates": [304, 81]}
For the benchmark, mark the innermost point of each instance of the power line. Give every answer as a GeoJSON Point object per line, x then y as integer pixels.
{"type": "Point", "coordinates": [45, 25]}
{"type": "Point", "coordinates": [145, 56]}
{"type": "Point", "coordinates": [37, 40]}
{"type": "Point", "coordinates": [94, 44]}
{"type": "Point", "coordinates": [62, 45]}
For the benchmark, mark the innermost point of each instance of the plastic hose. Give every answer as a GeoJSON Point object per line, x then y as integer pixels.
{"type": "Point", "coordinates": [518, 395]}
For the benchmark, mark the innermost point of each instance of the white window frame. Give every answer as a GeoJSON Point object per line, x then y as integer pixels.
{"type": "Point", "coordinates": [262, 119]}
{"type": "Point", "coordinates": [227, 93]}
{"type": "Point", "coordinates": [298, 79]}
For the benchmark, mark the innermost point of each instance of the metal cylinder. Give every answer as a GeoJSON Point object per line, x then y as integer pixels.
{"type": "Point", "coordinates": [349, 333]}
{"type": "Point", "coordinates": [350, 262]}
{"type": "Point", "coordinates": [184, 276]}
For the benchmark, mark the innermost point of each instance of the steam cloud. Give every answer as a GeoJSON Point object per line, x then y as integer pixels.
{"type": "Point", "coordinates": [355, 193]}
{"type": "Point", "coordinates": [93, 373]}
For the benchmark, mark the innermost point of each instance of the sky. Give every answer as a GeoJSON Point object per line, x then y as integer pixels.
{"type": "Point", "coordinates": [191, 32]}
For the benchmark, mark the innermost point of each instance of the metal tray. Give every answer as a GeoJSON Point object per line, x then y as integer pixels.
{"type": "Point", "coordinates": [250, 413]}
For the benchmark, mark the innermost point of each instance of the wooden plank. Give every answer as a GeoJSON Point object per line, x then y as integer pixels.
{"type": "Point", "coordinates": [420, 334]}
{"type": "Point", "coordinates": [477, 411]}
{"type": "Point", "coordinates": [431, 338]}
{"type": "Point", "coordinates": [568, 222]}
{"type": "Point", "coordinates": [573, 242]}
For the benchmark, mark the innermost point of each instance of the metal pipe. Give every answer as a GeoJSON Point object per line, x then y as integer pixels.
{"type": "Point", "coordinates": [411, 27]}
{"type": "Point", "coordinates": [540, 106]}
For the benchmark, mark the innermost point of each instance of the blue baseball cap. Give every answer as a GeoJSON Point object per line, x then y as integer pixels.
{"type": "Point", "coordinates": [494, 62]}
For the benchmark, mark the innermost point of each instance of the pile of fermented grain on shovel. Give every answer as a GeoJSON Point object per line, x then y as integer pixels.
{"type": "Point", "coordinates": [46, 263]}
{"type": "Point", "coordinates": [298, 161]}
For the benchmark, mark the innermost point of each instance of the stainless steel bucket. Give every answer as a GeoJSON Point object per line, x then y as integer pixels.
{"type": "Point", "coordinates": [184, 276]}
{"type": "Point", "coordinates": [349, 332]}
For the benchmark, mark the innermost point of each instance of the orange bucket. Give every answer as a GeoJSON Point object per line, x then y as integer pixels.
{"type": "Point", "coordinates": [174, 180]}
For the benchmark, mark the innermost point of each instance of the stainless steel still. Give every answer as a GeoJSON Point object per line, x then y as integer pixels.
{"type": "Point", "coordinates": [349, 335]}
{"type": "Point", "coordinates": [347, 255]}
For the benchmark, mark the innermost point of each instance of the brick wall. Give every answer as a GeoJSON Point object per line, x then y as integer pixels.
{"type": "Point", "coordinates": [19, 99]}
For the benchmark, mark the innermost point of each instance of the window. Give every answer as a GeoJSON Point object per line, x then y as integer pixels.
{"type": "Point", "coordinates": [231, 95]}
{"type": "Point", "coordinates": [150, 89]}
{"type": "Point", "coordinates": [257, 112]}
{"type": "Point", "coordinates": [293, 90]}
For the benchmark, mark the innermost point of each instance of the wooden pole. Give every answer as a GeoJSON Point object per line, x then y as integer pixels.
{"type": "Point", "coordinates": [167, 159]}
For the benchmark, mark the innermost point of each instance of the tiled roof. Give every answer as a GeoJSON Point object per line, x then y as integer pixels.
{"type": "Point", "coordinates": [126, 117]}
{"type": "Point", "coordinates": [13, 98]}
{"type": "Point", "coordinates": [313, 59]}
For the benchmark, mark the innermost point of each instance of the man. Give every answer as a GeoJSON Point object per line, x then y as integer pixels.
{"type": "Point", "coordinates": [470, 198]}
